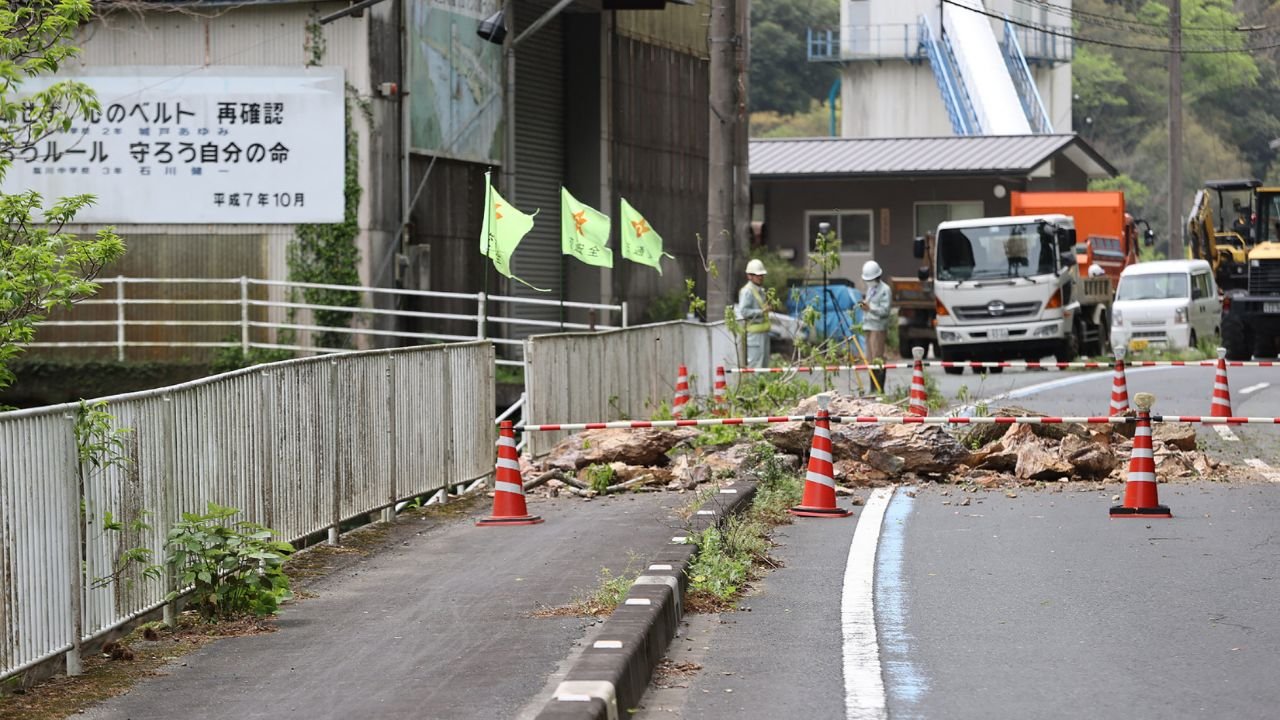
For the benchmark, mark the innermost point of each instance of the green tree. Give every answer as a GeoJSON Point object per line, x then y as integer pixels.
{"type": "Point", "coordinates": [41, 267]}
{"type": "Point", "coordinates": [782, 78]}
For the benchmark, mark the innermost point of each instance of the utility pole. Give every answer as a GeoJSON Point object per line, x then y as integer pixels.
{"type": "Point", "coordinates": [1175, 129]}
{"type": "Point", "coordinates": [720, 160]}
{"type": "Point", "coordinates": [742, 136]}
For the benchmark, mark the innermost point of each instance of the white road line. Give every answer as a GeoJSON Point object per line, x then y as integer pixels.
{"type": "Point", "coordinates": [1255, 388]}
{"type": "Point", "coordinates": [1108, 375]}
{"type": "Point", "coordinates": [863, 681]}
{"type": "Point", "coordinates": [1264, 469]}
{"type": "Point", "coordinates": [1226, 433]}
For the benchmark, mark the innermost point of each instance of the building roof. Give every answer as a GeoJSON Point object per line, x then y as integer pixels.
{"type": "Point", "coordinates": [932, 156]}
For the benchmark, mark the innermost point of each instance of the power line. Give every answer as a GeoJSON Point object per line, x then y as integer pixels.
{"type": "Point", "coordinates": [1048, 30]}
{"type": "Point", "coordinates": [1117, 22]}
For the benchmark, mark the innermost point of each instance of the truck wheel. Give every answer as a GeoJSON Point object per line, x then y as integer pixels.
{"type": "Point", "coordinates": [1102, 346]}
{"type": "Point", "coordinates": [1069, 348]}
{"type": "Point", "coordinates": [1235, 338]}
{"type": "Point", "coordinates": [1264, 346]}
{"type": "Point", "coordinates": [950, 357]}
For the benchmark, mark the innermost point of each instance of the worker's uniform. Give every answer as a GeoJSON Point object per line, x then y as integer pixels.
{"type": "Point", "coordinates": [751, 308]}
{"type": "Point", "coordinates": [875, 318]}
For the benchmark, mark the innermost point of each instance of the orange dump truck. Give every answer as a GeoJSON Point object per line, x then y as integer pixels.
{"type": "Point", "coordinates": [1106, 235]}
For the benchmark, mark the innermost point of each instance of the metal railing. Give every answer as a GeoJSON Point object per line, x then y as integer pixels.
{"type": "Point", "coordinates": [960, 109]}
{"type": "Point", "coordinates": [619, 374]}
{"type": "Point", "coordinates": [250, 313]}
{"type": "Point", "coordinates": [299, 446]}
{"type": "Point", "coordinates": [1025, 83]}
{"type": "Point", "coordinates": [904, 41]}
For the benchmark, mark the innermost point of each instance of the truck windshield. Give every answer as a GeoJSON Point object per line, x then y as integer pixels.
{"type": "Point", "coordinates": [1159, 286]}
{"type": "Point", "coordinates": [996, 251]}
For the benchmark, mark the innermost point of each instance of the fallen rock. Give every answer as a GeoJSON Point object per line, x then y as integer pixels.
{"type": "Point", "coordinates": [1037, 458]}
{"type": "Point", "coordinates": [1179, 435]}
{"type": "Point", "coordinates": [883, 461]}
{"type": "Point", "coordinates": [1088, 459]}
{"type": "Point", "coordinates": [686, 475]}
{"type": "Point", "coordinates": [730, 459]}
{"type": "Point", "coordinates": [644, 446]}
{"type": "Point", "coordinates": [859, 474]}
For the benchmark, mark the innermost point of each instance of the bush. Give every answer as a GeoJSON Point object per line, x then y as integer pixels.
{"type": "Point", "coordinates": [234, 569]}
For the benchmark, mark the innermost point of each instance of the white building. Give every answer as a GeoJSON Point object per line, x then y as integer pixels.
{"type": "Point", "coordinates": [925, 68]}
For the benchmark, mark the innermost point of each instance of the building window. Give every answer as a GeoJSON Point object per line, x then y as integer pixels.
{"type": "Point", "coordinates": [929, 214]}
{"type": "Point", "coordinates": [853, 228]}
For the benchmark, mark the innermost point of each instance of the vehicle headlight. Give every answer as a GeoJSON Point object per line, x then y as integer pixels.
{"type": "Point", "coordinates": [1180, 316]}
{"type": "Point", "coordinates": [949, 336]}
{"type": "Point", "coordinates": [1117, 319]}
{"type": "Point", "coordinates": [1045, 331]}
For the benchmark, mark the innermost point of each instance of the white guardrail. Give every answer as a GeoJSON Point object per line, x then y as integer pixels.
{"type": "Point", "coordinates": [298, 446]}
{"type": "Point", "coordinates": [250, 313]}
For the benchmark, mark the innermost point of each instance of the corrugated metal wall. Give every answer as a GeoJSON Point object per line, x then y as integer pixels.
{"type": "Point", "coordinates": [540, 157]}
{"type": "Point", "coordinates": [660, 152]}
{"type": "Point", "coordinates": [679, 28]}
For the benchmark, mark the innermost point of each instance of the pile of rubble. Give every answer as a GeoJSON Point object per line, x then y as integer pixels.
{"type": "Point", "coordinates": [985, 455]}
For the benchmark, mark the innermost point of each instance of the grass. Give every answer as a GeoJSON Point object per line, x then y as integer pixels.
{"type": "Point", "coordinates": [729, 557]}
{"type": "Point", "coordinates": [604, 598]}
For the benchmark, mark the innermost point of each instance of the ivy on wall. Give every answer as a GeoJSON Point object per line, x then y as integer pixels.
{"type": "Point", "coordinates": [327, 253]}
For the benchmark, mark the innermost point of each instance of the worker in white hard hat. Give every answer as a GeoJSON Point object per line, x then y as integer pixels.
{"type": "Point", "coordinates": [875, 310]}
{"type": "Point", "coordinates": [753, 309]}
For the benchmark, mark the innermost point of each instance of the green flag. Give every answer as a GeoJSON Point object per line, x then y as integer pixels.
{"type": "Point", "coordinates": [639, 242]}
{"type": "Point", "coordinates": [502, 230]}
{"type": "Point", "coordinates": [584, 232]}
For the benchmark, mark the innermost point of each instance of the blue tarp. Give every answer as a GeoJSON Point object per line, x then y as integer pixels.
{"type": "Point", "coordinates": [841, 306]}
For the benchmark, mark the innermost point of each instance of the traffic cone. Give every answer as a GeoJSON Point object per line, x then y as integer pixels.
{"type": "Point", "coordinates": [1221, 406]}
{"type": "Point", "coordinates": [1140, 497]}
{"type": "Point", "coordinates": [919, 403]}
{"type": "Point", "coordinates": [819, 483]}
{"type": "Point", "coordinates": [1119, 388]}
{"type": "Point", "coordinates": [720, 389]}
{"type": "Point", "coordinates": [682, 392]}
{"type": "Point", "coordinates": [508, 495]}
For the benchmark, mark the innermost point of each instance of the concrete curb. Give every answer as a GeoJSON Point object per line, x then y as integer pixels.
{"type": "Point", "coordinates": [611, 676]}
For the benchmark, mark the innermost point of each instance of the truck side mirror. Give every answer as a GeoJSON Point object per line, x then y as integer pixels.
{"type": "Point", "coordinates": [923, 273]}
{"type": "Point", "coordinates": [917, 248]}
{"type": "Point", "coordinates": [1066, 258]}
{"type": "Point", "coordinates": [1066, 239]}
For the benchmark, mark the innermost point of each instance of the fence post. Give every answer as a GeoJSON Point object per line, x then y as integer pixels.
{"type": "Point", "coordinates": [244, 314]}
{"type": "Point", "coordinates": [120, 318]}
{"type": "Point", "coordinates": [168, 503]}
{"type": "Point", "coordinates": [75, 554]}
{"type": "Point", "coordinates": [393, 466]}
{"type": "Point", "coordinates": [337, 474]}
{"type": "Point", "coordinates": [624, 313]}
{"type": "Point", "coordinates": [482, 315]}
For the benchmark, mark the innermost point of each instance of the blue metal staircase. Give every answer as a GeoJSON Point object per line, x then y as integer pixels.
{"type": "Point", "coordinates": [1028, 93]}
{"type": "Point", "coordinates": [960, 108]}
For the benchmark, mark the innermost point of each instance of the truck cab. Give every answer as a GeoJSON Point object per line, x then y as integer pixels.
{"type": "Point", "coordinates": [1010, 287]}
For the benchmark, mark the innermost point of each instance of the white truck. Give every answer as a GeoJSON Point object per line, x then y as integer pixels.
{"type": "Point", "coordinates": [1010, 288]}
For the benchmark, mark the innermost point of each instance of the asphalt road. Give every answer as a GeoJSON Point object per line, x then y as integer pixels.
{"type": "Point", "coordinates": [1037, 605]}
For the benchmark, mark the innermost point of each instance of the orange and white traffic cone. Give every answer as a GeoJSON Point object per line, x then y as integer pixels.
{"type": "Point", "coordinates": [682, 392]}
{"type": "Point", "coordinates": [819, 483]}
{"type": "Point", "coordinates": [1119, 388]}
{"type": "Point", "coordinates": [1221, 406]}
{"type": "Point", "coordinates": [919, 403]}
{"type": "Point", "coordinates": [720, 389]}
{"type": "Point", "coordinates": [508, 495]}
{"type": "Point", "coordinates": [1140, 497]}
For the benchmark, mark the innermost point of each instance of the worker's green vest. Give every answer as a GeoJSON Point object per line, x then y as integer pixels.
{"type": "Point", "coordinates": [762, 325]}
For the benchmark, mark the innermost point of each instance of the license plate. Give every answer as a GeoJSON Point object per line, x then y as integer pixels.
{"type": "Point", "coordinates": [1003, 333]}
{"type": "Point", "coordinates": [1271, 308]}
{"type": "Point", "coordinates": [1138, 345]}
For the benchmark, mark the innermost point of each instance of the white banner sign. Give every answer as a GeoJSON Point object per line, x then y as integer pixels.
{"type": "Point", "coordinates": [197, 145]}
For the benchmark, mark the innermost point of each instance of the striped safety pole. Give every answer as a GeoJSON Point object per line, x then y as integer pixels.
{"type": "Point", "coordinates": [720, 388]}
{"type": "Point", "coordinates": [1140, 496]}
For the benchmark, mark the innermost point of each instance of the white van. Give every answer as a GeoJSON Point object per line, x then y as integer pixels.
{"type": "Point", "coordinates": [1167, 304]}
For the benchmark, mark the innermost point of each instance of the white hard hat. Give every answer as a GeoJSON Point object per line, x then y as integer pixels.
{"type": "Point", "coordinates": [755, 267]}
{"type": "Point", "coordinates": [871, 270]}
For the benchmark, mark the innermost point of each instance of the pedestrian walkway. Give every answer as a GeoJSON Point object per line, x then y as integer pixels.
{"type": "Point", "coordinates": [439, 624]}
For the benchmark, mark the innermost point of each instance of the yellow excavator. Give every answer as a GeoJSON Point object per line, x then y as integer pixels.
{"type": "Point", "coordinates": [1244, 252]}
